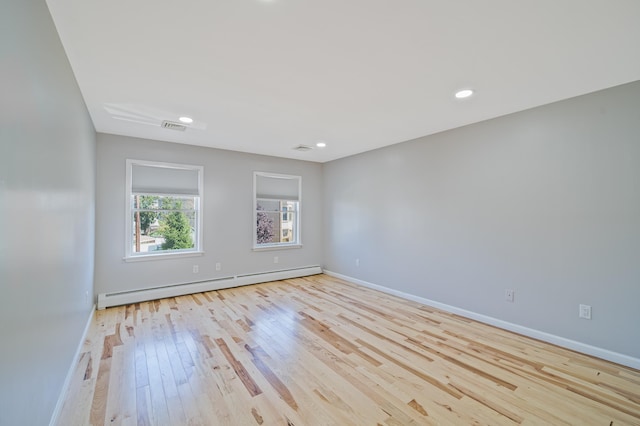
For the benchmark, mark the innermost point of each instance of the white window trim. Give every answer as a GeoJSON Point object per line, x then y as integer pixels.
{"type": "Point", "coordinates": [278, 246]}
{"type": "Point", "coordinates": [198, 246]}
{"type": "Point", "coordinates": [298, 231]}
{"type": "Point", "coordinates": [159, 256]}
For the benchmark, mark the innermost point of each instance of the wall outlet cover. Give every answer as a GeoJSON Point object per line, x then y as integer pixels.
{"type": "Point", "coordinates": [509, 295]}
{"type": "Point", "coordinates": [585, 311]}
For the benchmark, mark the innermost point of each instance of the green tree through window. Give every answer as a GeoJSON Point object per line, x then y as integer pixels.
{"type": "Point", "coordinates": [174, 226]}
{"type": "Point", "coordinates": [147, 217]}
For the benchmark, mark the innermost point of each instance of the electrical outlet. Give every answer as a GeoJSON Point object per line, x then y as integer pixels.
{"type": "Point", "coordinates": [509, 295]}
{"type": "Point", "coordinates": [86, 296]}
{"type": "Point", "coordinates": [357, 262]}
{"type": "Point", "coordinates": [218, 266]}
{"type": "Point", "coordinates": [585, 312]}
{"type": "Point", "coordinates": [196, 268]}
{"type": "Point", "coordinates": [275, 259]}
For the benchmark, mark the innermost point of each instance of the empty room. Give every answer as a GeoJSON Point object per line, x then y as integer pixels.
{"type": "Point", "coordinates": [285, 212]}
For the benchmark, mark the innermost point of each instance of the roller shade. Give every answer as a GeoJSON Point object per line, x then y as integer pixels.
{"type": "Point", "coordinates": [277, 187]}
{"type": "Point", "coordinates": [147, 179]}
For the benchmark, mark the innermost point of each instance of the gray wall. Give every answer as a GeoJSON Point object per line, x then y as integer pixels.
{"type": "Point", "coordinates": [546, 202]}
{"type": "Point", "coordinates": [227, 215]}
{"type": "Point", "coordinates": [47, 180]}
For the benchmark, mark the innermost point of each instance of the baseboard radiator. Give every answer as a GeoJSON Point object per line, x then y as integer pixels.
{"type": "Point", "coordinates": [106, 300]}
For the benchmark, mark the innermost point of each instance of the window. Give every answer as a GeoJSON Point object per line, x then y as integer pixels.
{"type": "Point", "coordinates": [163, 209]}
{"type": "Point", "coordinates": [276, 210]}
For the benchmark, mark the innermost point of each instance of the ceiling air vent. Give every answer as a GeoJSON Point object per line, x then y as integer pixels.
{"type": "Point", "coordinates": [173, 126]}
{"type": "Point", "coordinates": [302, 148]}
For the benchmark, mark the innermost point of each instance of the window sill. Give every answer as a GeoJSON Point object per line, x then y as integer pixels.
{"type": "Point", "coordinates": [146, 257]}
{"type": "Point", "coordinates": [277, 247]}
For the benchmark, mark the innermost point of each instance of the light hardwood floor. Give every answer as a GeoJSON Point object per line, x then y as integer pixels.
{"type": "Point", "coordinates": [319, 351]}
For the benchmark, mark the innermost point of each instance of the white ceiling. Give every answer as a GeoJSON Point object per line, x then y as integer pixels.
{"type": "Point", "coordinates": [264, 76]}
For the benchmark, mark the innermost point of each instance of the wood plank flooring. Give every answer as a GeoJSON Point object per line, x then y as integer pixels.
{"type": "Point", "coordinates": [320, 351]}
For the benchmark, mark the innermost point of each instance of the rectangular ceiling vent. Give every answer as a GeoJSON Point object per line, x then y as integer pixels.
{"type": "Point", "coordinates": [173, 126]}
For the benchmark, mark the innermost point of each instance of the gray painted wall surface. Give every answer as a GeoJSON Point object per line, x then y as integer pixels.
{"type": "Point", "coordinates": [227, 215]}
{"type": "Point", "coordinates": [47, 184]}
{"type": "Point", "coordinates": [546, 202]}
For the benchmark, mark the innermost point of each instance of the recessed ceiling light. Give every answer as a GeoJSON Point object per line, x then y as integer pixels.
{"type": "Point", "coordinates": [465, 93]}
{"type": "Point", "coordinates": [187, 120]}
{"type": "Point", "coordinates": [321, 144]}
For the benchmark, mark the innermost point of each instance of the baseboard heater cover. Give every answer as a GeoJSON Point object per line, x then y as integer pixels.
{"type": "Point", "coordinates": [106, 300]}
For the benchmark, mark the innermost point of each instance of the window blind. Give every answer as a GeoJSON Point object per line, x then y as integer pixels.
{"type": "Point", "coordinates": [278, 187]}
{"type": "Point", "coordinates": [147, 179]}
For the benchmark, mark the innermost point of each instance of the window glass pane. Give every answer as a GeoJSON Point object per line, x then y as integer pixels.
{"type": "Point", "coordinates": [290, 205]}
{"type": "Point", "coordinates": [287, 233]}
{"type": "Point", "coordinates": [269, 205]}
{"type": "Point", "coordinates": [163, 223]}
{"type": "Point", "coordinates": [271, 228]}
{"type": "Point", "coordinates": [265, 227]}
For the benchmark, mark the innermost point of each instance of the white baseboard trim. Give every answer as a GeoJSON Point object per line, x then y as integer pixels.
{"type": "Point", "coordinates": [584, 348]}
{"type": "Point", "coordinates": [72, 369]}
{"type": "Point", "coordinates": [134, 296]}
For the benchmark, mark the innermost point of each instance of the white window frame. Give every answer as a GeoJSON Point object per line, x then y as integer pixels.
{"type": "Point", "coordinates": [297, 232]}
{"type": "Point", "coordinates": [197, 250]}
